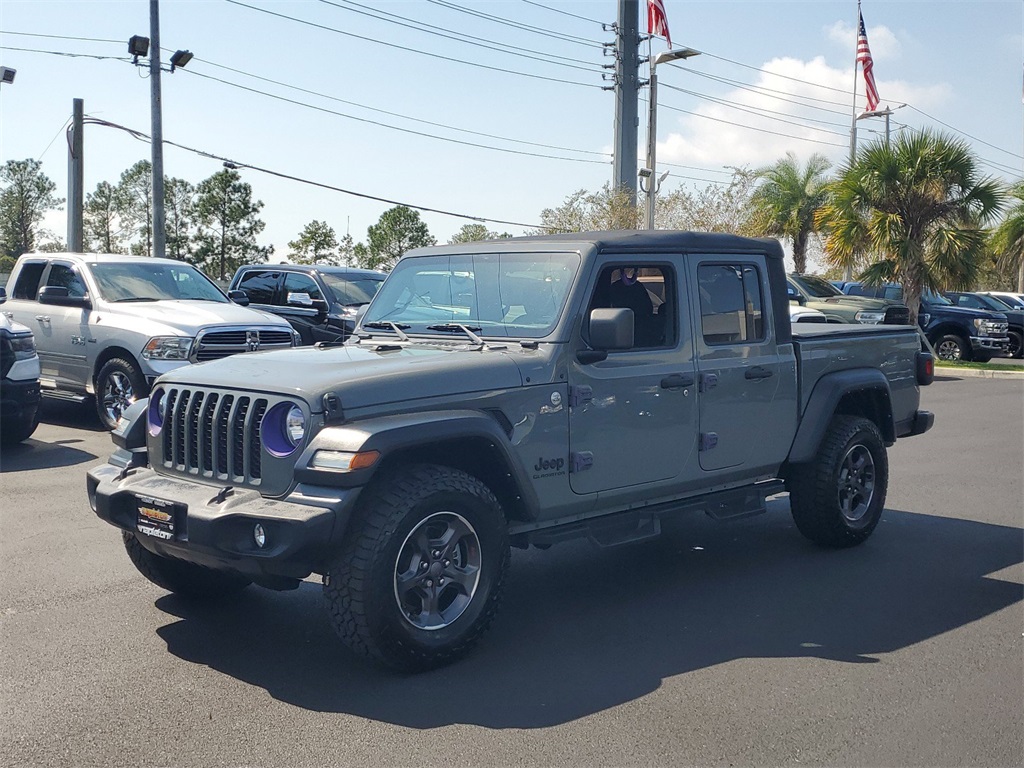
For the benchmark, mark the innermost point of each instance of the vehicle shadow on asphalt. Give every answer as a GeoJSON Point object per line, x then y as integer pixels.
{"type": "Point", "coordinates": [585, 629]}
{"type": "Point", "coordinates": [39, 454]}
{"type": "Point", "coordinates": [64, 414]}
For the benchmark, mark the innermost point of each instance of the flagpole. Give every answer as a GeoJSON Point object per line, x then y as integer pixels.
{"type": "Point", "coordinates": [853, 123]}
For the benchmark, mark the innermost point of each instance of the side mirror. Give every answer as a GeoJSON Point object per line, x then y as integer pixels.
{"type": "Point", "coordinates": [3, 294]}
{"type": "Point", "coordinates": [296, 299]}
{"type": "Point", "coordinates": [794, 295]}
{"type": "Point", "coordinates": [59, 296]}
{"type": "Point", "coordinates": [611, 329]}
{"type": "Point", "coordinates": [321, 308]}
{"type": "Point", "coordinates": [241, 298]}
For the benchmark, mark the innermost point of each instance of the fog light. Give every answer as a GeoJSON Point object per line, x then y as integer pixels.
{"type": "Point", "coordinates": [259, 536]}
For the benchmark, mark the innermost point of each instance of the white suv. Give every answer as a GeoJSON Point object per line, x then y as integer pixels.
{"type": "Point", "coordinates": [107, 325]}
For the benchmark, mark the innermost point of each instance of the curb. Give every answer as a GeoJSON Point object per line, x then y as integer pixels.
{"type": "Point", "coordinates": [944, 371]}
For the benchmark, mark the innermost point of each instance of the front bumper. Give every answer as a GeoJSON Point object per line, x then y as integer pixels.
{"type": "Point", "coordinates": [19, 399]}
{"type": "Point", "coordinates": [990, 343]}
{"type": "Point", "coordinates": [215, 529]}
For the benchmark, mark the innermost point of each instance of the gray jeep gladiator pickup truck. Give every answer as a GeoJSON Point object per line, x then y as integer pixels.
{"type": "Point", "coordinates": [509, 393]}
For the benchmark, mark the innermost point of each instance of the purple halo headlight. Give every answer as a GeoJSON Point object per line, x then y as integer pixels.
{"type": "Point", "coordinates": [157, 411]}
{"type": "Point", "coordinates": [283, 428]}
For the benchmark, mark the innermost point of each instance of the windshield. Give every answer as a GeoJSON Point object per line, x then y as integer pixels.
{"type": "Point", "coordinates": [356, 290]}
{"type": "Point", "coordinates": [499, 294]}
{"type": "Point", "coordinates": [817, 287]}
{"type": "Point", "coordinates": [995, 303]}
{"type": "Point", "coordinates": [154, 281]}
{"type": "Point", "coordinates": [931, 297]}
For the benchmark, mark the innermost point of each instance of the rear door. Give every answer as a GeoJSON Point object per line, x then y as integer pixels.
{"type": "Point", "coordinates": [747, 388]}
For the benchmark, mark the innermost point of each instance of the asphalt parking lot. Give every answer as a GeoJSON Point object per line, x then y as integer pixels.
{"type": "Point", "coordinates": [717, 644]}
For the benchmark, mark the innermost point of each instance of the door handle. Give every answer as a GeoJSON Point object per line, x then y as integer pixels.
{"type": "Point", "coordinates": [677, 381]}
{"type": "Point", "coordinates": [757, 372]}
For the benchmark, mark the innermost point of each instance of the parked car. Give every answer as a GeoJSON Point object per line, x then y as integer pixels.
{"type": "Point", "coordinates": [957, 333]}
{"type": "Point", "coordinates": [817, 293]}
{"type": "Point", "coordinates": [107, 325]}
{"type": "Point", "coordinates": [19, 380]}
{"type": "Point", "coordinates": [1012, 300]}
{"type": "Point", "coordinates": [1014, 317]}
{"type": "Point", "coordinates": [321, 302]}
{"type": "Point", "coordinates": [510, 393]}
{"type": "Point", "coordinates": [798, 314]}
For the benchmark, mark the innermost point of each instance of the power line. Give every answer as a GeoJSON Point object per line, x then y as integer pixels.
{"type": "Point", "coordinates": [517, 25]}
{"type": "Point", "coordinates": [564, 13]}
{"type": "Point", "coordinates": [752, 128]}
{"type": "Point", "coordinates": [63, 37]}
{"type": "Point", "coordinates": [65, 53]}
{"type": "Point", "coordinates": [776, 74]}
{"type": "Point", "coordinates": [398, 114]}
{"type": "Point", "coordinates": [386, 125]}
{"type": "Point", "coordinates": [964, 133]}
{"type": "Point", "coordinates": [448, 34]}
{"type": "Point", "coordinates": [238, 164]}
{"type": "Point", "coordinates": [763, 91]}
{"type": "Point", "coordinates": [411, 50]}
{"type": "Point", "coordinates": [759, 111]}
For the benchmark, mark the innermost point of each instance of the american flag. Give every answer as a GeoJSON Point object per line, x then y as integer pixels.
{"type": "Point", "coordinates": [657, 21]}
{"type": "Point", "coordinates": [864, 57]}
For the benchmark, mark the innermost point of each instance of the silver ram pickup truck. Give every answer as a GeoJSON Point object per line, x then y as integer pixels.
{"type": "Point", "coordinates": [511, 393]}
{"type": "Point", "coordinates": [108, 325]}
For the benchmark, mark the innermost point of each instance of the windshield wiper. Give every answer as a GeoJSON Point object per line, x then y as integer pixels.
{"type": "Point", "coordinates": [388, 325]}
{"type": "Point", "coordinates": [136, 298]}
{"type": "Point", "coordinates": [466, 329]}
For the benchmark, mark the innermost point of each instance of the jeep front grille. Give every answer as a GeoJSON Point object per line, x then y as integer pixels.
{"type": "Point", "coordinates": [213, 435]}
{"type": "Point", "coordinates": [215, 344]}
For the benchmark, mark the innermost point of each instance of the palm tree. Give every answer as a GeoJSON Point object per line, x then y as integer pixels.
{"type": "Point", "coordinates": [1008, 238]}
{"type": "Point", "coordinates": [921, 206]}
{"type": "Point", "coordinates": [786, 203]}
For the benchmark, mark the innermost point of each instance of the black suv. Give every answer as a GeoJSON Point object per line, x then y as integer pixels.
{"type": "Point", "coordinates": [1014, 317]}
{"type": "Point", "coordinates": [321, 302]}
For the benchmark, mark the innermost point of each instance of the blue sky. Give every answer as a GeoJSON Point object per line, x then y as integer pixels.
{"type": "Point", "coordinates": [497, 134]}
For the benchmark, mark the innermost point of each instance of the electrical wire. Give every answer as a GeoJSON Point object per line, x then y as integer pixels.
{"type": "Point", "coordinates": [399, 114]}
{"type": "Point", "coordinates": [65, 53]}
{"type": "Point", "coordinates": [412, 50]}
{"type": "Point", "coordinates": [491, 45]}
{"type": "Point", "coordinates": [60, 130]}
{"type": "Point", "coordinates": [386, 125]}
{"type": "Point", "coordinates": [763, 91]}
{"type": "Point", "coordinates": [775, 74]}
{"type": "Point", "coordinates": [752, 128]}
{"type": "Point", "coordinates": [564, 13]}
{"type": "Point", "coordinates": [964, 133]}
{"type": "Point", "coordinates": [63, 37]}
{"type": "Point", "coordinates": [759, 111]}
{"type": "Point", "coordinates": [517, 25]}
{"type": "Point", "coordinates": [139, 135]}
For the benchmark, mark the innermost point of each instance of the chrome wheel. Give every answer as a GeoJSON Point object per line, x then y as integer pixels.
{"type": "Point", "coordinates": [950, 349]}
{"type": "Point", "coordinates": [118, 394]}
{"type": "Point", "coordinates": [437, 571]}
{"type": "Point", "coordinates": [856, 483]}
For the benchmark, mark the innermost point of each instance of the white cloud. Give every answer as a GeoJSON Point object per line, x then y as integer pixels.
{"type": "Point", "coordinates": [794, 106]}
{"type": "Point", "coordinates": [882, 41]}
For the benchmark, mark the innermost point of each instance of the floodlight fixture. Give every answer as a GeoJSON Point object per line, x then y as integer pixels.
{"type": "Point", "coordinates": [180, 59]}
{"type": "Point", "coordinates": [138, 46]}
{"type": "Point", "coordinates": [7, 75]}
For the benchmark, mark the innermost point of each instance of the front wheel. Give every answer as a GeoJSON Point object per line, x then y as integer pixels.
{"type": "Point", "coordinates": [1016, 346]}
{"type": "Point", "coordinates": [837, 498]}
{"type": "Point", "coordinates": [119, 383]}
{"type": "Point", "coordinates": [177, 576]}
{"type": "Point", "coordinates": [419, 577]}
{"type": "Point", "coordinates": [952, 347]}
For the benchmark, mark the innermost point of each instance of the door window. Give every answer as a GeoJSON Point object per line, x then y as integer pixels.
{"type": "Point", "coordinates": [259, 285]}
{"type": "Point", "coordinates": [731, 305]}
{"type": "Point", "coordinates": [27, 286]}
{"type": "Point", "coordinates": [298, 283]}
{"type": "Point", "coordinates": [648, 291]}
{"type": "Point", "coordinates": [63, 276]}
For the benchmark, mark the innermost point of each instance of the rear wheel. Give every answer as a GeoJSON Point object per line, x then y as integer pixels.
{"type": "Point", "coordinates": [419, 577]}
{"type": "Point", "coordinates": [837, 499]}
{"type": "Point", "coordinates": [118, 384]}
{"type": "Point", "coordinates": [177, 576]}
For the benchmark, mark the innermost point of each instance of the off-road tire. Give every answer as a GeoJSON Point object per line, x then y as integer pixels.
{"type": "Point", "coordinates": [361, 584]}
{"type": "Point", "coordinates": [124, 371]}
{"type": "Point", "coordinates": [952, 347]}
{"type": "Point", "coordinates": [817, 487]}
{"type": "Point", "coordinates": [188, 580]}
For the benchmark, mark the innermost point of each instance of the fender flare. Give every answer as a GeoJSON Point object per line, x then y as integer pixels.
{"type": "Point", "coordinates": [821, 406]}
{"type": "Point", "coordinates": [392, 434]}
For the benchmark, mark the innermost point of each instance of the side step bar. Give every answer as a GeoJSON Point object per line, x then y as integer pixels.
{"type": "Point", "coordinates": [69, 397]}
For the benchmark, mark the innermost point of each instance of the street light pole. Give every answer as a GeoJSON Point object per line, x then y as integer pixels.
{"type": "Point", "coordinates": [159, 220]}
{"type": "Point", "coordinates": [650, 172]}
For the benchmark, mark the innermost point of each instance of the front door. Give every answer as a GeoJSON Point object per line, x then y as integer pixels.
{"type": "Point", "coordinates": [68, 329]}
{"type": "Point", "coordinates": [746, 380]}
{"type": "Point", "coordinates": [633, 416]}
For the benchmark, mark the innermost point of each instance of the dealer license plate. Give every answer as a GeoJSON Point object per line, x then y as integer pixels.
{"type": "Point", "coordinates": [155, 518]}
